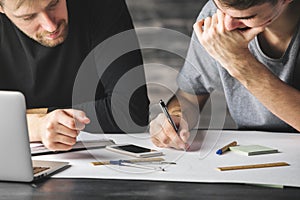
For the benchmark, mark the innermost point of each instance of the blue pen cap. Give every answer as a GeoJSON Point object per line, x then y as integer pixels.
{"type": "Point", "coordinates": [219, 152]}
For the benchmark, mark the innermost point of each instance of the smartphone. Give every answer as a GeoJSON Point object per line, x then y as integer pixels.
{"type": "Point", "coordinates": [134, 150]}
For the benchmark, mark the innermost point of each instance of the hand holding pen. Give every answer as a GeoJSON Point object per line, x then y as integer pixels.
{"type": "Point", "coordinates": [166, 132]}
{"type": "Point", "coordinates": [166, 112]}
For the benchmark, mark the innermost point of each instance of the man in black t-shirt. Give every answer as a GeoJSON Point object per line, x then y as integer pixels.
{"type": "Point", "coordinates": [44, 45]}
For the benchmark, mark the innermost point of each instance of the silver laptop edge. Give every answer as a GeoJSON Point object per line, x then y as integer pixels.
{"type": "Point", "coordinates": [16, 163]}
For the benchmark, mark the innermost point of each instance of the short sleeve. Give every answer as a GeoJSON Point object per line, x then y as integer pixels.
{"type": "Point", "coordinates": [200, 72]}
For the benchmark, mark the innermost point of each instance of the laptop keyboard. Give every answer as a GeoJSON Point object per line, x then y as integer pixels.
{"type": "Point", "coordinates": [39, 169]}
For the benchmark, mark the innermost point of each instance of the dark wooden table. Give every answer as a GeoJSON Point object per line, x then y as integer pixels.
{"type": "Point", "coordinates": [124, 189]}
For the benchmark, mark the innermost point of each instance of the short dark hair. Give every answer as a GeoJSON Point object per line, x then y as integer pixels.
{"type": "Point", "coordinates": [18, 3]}
{"type": "Point", "coordinates": [244, 4]}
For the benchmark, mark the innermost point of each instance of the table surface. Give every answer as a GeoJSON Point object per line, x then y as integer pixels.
{"type": "Point", "coordinates": [83, 188]}
{"type": "Point", "coordinates": [54, 188]}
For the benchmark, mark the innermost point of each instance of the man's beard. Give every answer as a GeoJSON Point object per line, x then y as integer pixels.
{"type": "Point", "coordinates": [62, 27]}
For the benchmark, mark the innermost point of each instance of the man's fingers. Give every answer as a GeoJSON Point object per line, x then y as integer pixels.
{"type": "Point", "coordinates": [174, 140]}
{"type": "Point", "coordinates": [198, 28]}
{"type": "Point", "coordinates": [78, 115]}
{"type": "Point", "coordinates": [68, 121]}
{"type": "Point", "coordinates": [162, 131]}
{"type": "Point", "coordinates": [184, 131]}
{"type": "Point", "coordinates": [163, 139]}
{"type": "Point", "coordinates": [72, 119]}
{"type": "Point", "coordinates": [63, 130]}
{"type": "Point", "coordinates": [63, 139]}
{"type": "Point", "coordinates": [177, 143]}
{"type": "Point", "coordinates": [163, 134]}
{"type": "Point", "coordinates": [156, 126]}
{"type": "Point", "coordinates": [252, 32]}
{"type": "Point", "coordinates": [157, 143]}
{"type": "Point", "coordinates": [214, 20]}
{"type": "Point", "coordinates": [221, 18]}
{"type": "Point", "coordinates": [207, 23]}
{"type": "Point", "coordinates": [184, 135]}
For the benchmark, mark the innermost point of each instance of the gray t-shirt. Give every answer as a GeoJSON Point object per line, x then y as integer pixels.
{"type": "Point", "coordinates": [201, 74]}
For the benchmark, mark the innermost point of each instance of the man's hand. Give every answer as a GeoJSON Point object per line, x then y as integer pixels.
{"type": "Point", "coordinates": [163, 134]}
{"type": "Point", "coordinates": [227, 47]}
{"type": "Point", "coordinates": [58, 129]}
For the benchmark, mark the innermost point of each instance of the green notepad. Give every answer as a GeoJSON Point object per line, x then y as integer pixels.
{"type": "Point", "coordinates": [250, 150]}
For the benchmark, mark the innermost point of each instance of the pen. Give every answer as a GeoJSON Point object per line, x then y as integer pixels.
{"type": "Point", "coordinates": [139, 160]}
{"type": "Point", "coordinates": [225, 148]}
{"type": "Point", "coordinates": [159, 161]}
{"type": "Point", "coordinates": [165, 110]}
{"type": "Point", "coordinates": [120, 163]}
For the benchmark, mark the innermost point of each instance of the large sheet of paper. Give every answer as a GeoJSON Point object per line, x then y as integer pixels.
{"type": "Point", "coordinates": [196, 165]}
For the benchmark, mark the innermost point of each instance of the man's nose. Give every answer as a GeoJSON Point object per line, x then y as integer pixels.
{"type": "Point", "coordinates": [47, 22]}
{"type": "Point", "coordinates": [232, 23]}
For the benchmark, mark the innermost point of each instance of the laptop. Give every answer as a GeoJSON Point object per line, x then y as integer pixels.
{"type": "Point", "coordinates": [15, 155]}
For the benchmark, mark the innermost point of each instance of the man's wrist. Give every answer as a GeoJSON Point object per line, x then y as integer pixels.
{"type": "Point", "coordinates": [178, 113]}
{"type": "Point", "coordinates": [240, 68]}
{"type": "Point", "coordinates": [34, 123]}
{"type": "Point", "coordinates": [175, 110]}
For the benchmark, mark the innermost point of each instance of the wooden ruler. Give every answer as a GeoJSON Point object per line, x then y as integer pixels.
{"type": "Point", "coordinates": [139, 160]}
{"type": "Point", "coordinates": [263, 165]}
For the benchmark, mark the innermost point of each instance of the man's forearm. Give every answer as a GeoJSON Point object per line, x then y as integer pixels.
{"type": "Point", "coordinates": [280, 98]}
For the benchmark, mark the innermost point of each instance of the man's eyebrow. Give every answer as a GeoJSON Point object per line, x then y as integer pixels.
{"type": "Point", "coordinates": [246, 17]}
{"type": "Point", "coordinates": [25, 15]}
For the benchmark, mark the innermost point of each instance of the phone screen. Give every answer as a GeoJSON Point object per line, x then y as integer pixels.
{"type": "Point", "coordinates": [134, 149]}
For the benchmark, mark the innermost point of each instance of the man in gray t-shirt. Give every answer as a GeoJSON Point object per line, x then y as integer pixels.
{"type": "Point", "coordinates": [251, 52]}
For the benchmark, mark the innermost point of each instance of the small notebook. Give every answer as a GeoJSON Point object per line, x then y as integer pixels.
{"type": "Point", "coordinates": [250, 150]}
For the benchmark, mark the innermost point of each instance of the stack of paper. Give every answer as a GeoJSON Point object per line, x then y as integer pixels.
{"type": "Point", "coordinates": [250, 150]}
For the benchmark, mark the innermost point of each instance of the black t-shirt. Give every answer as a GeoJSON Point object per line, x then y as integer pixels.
{"type": "Point", "coordinates": [46, 75]}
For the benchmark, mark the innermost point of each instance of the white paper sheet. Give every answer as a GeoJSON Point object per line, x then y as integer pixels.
{"type": "Point", "coordinates": [197, 165]}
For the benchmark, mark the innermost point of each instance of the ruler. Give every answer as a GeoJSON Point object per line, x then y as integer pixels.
{"type": "Point", "coordinates": [263, 165]}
